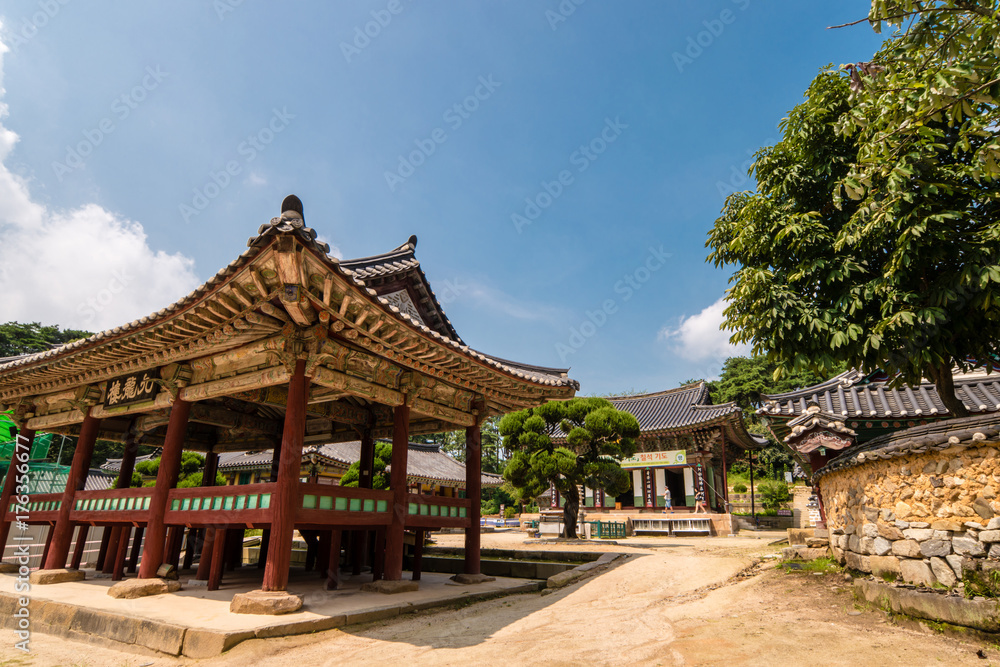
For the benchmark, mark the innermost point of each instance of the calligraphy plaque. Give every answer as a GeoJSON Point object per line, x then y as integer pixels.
{"type": "Point", "coordinates": [133, 388]}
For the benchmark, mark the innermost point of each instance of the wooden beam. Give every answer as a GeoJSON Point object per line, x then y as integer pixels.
{"type": "Point", "coordinates": [253, 380]}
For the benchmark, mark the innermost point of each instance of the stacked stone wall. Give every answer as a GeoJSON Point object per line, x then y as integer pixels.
{"type": "Point", "coordinates": [926, 518]}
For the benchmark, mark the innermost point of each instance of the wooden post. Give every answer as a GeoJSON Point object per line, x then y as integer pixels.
{"type": "Point", "coordinates": [366, 472]}
{"type": "Point", "coordinates": [62, 533]}
{"type": "Point", "coordinates": [418, 554]}
{"type": "Point", "coordinates": [166, 479]}
{"type": "Point", "coordinates": [285, 497]}
{"type": "Point", "coordinates": [81, 542]}
{"type": "Point", "coordinates": [218, 559]}
{"type": "Point", "coordinates": [192, 538]}
{"type": "Point", "coordinates": [102, 551]}
{"type": "Point", "coordinates": [234, 549]}
{"type": "Point", "coordinates": [323, 553]}
{"type": "Point", "coordinates": [175, 535]}
{"type": "Point", "coordinates": [207, 554]}
{"type": "Point", "coordinates": [124, 481]}
{"type": "Point", "coordinates": [133, 558]}
{"type": "Point", "coordinates": [333, 565]}
{"type": "Point", "coordinates": [397, 483]}
{"type": "Point", "coordinates": [265, 537]}
{"type": "Point", "coordinates": [48, 542]}
{"type": "Point", "coordinates": [379, 564]}
{"type": "Point", "coordinates": [121, 555]}
{"type": "Point", "coordinates": [473, 492]}
{"type": "Point", "coordinates": [10, 481]}
{"type": "Point", "coordinates": [115, 533]}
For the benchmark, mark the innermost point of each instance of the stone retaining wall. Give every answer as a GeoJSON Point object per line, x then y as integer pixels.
{"type": "Point", "coordinates": [925, 517]}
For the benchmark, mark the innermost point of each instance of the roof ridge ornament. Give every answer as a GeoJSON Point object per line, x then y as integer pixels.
{"type": "Point", "coordinates": [292, 219]}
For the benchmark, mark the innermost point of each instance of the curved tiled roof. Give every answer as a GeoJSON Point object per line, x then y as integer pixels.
{"type": "Point", "coordinates": [290, 222]}
{"type": "Point", "coordinates": [918, 440]}
{"type": "Point", "coordinates": [852, 395]}
{"type": "Point", "coordinates": [684, 408]}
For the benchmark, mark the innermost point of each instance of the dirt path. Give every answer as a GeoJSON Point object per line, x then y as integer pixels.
{"type": "Point", "coordinates": [672, 602]}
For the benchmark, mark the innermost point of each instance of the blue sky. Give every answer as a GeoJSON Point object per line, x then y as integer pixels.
{"type": "Point", "coordinates": [561, 163]}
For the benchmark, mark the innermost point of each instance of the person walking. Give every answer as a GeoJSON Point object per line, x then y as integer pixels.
{"type": "Point", "coordinates": [667, 500]}
{"type": "Point", "coordinates": [699, 502]}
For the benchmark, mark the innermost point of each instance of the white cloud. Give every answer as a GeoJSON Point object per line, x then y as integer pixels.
{"type": "Point", "coordinates": [86, 268]}
{"type": "Point", "coordinates": [486, 297]}
{"type": "Point", "coordinates": [256, 179]}
{"type": "Point", "coordinates": [699, 337]}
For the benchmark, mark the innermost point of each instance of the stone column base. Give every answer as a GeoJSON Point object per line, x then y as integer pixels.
{"type": "Point", "coordinates": [390, 587]}
{"type": "Point", "coordinates": [43, 577]}
{"type": "Point", "coordinates": [472, 578]}
{"type": "Point", "coordinates": [129, 589]}
{"type": "Point", "coordinates": [265, 602]}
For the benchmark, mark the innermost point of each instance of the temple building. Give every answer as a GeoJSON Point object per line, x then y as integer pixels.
{"type": "Point", "coordinates": [684, 445]}
{"type": "Point", "coordinates": [284, 348]}
{"type": "Point", "coordinates": [834, 418]}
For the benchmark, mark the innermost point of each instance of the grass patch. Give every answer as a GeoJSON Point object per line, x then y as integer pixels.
{"type": "Point", "coordinates": [985, 584]}
{"type": "Point", "coordinates": [889, 577]}
{"type": "Point", "coordinates": [824, 565]}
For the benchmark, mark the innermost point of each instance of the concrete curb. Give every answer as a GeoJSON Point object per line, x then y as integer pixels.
{"type": "Point", "coordinates": [93, 626]}
{"type": "Point", "coordinates": [569, 576]}
{"type": "Point", "coordinates": [981, 615]}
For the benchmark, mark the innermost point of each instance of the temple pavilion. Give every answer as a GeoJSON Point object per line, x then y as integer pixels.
{"type": "Point", "coordinates": [684, 444]}
{"type": "Point", "coordinates": [284, 348]}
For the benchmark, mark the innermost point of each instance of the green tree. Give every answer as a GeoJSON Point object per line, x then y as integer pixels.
{"type": "Point", "coordinates": [819, 284]}
{"type": "Point", "coordinates": [194, 479]}
{"type": "Point", "coordinates": [494, 456]}
{"type": "Point", "coordinates": [17, 338]}
{"type": "Point", "coordinates": [192, 463]}
{"type": "Point", "coordinates": [380, 479]}
{"type": "Point", "coordinates": [773, 494]}
{"type": "Point", "coordinates": [597, 437]}
{"type": "Point", "coordinates": [743, 381]}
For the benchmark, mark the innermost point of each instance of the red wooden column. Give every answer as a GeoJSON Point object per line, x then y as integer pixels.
{"type": "Point", "coordinates": [333, 566]}
{"type": "Point", "coordinates": [397, 483]}
{"type": "Point", "coordinates": [81, 542]}
{"type": "Point", "coordinates": [133, 558]}
{"type": "Point", "coordinates": [166, 479]}
{"type": "Point", "coordinates": [366, 465]}
{"type": "Point", "coordinates": [418, 555]}
{"type": "Point", "coordinates": [473, 492]}
{"type": "Point", "coordinates": [284, 499]}
{"type": "Point", "coordinates": [10, 481]}
{"type": "Point", "coordinates": [265, 538]}
{"type": "Point", "coordinates": [124, 481]}
{"type": "Point", "coordinates": [118, 572]}
{"type": "Point", "coordinates": [218, 560]}
{"type": "Point", "coordinates": [62, 532]}
{"type": "Point", "coordinates": [208, 542]}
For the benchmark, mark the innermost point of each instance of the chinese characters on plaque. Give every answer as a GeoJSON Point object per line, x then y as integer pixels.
{"type": "Point", "coordinates": [134, 388]}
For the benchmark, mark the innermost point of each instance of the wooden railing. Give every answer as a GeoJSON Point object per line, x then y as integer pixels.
{"type": "Point", "coordinates": [39, 508]}
{"type": "Point", "coordinates": [111, 506]}
{"type": "Point", "coordinates": [246, 504]}
{"type": "Point", "coordinates": [436, 511]}
{"type": "Point", "coordinates": [326, 505]}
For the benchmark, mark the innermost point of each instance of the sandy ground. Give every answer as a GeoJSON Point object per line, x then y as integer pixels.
{"type": "Point", "coordinates": [673, 601]}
